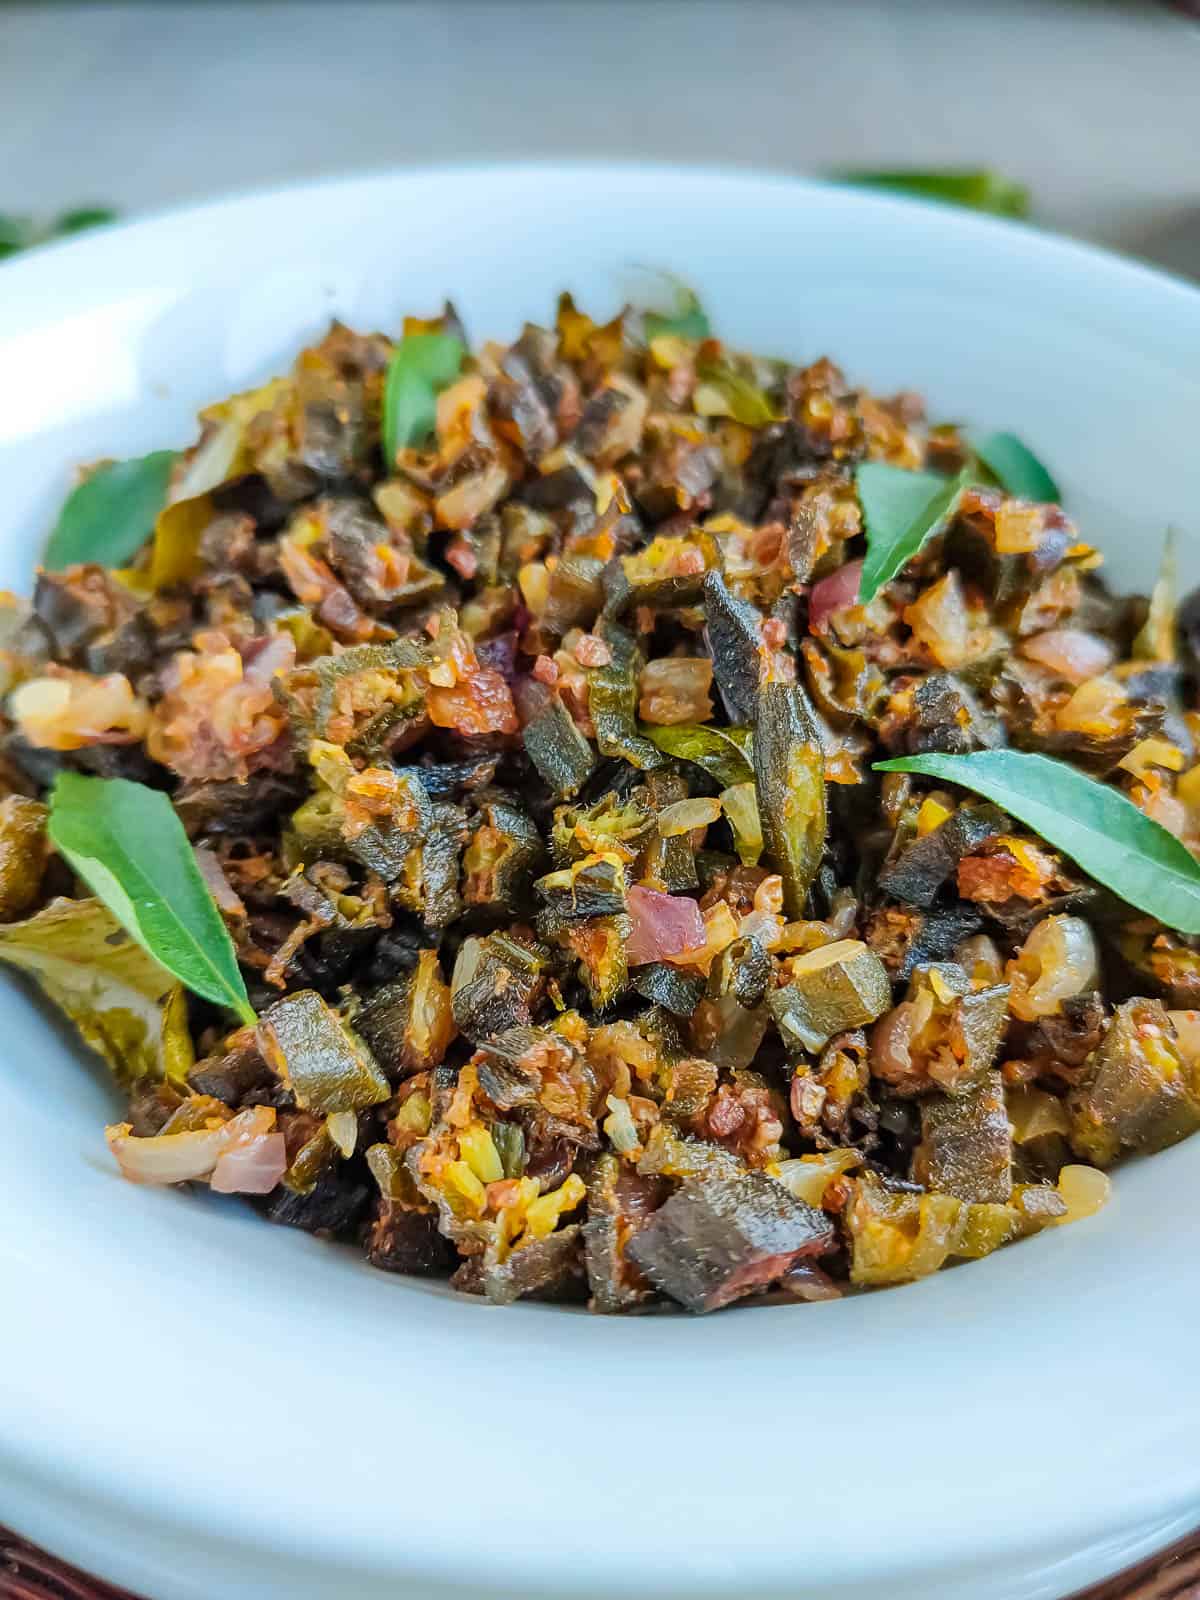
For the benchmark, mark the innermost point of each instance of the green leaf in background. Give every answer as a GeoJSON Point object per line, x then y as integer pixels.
{"type": "Point", "coordinates": [22, 233]}
{"type": "Point", "coordinates": [901, 510]}
{"type": "Point", "coordinates": [81, 218]}
{"type": "Point", "coordinates": [16, 233]}
{"type": "Point", "coordinates": [1017, 468]}
{"type": "Point", "coordinates": [978, 190]}
{"type": "Point", "coordinates": [422, 365]}
{"type": "Point", "coordinates": [738, 397]}
{"type": "Point", "coordinates": [1096, 826]}
{"type": "Point", "coordinates": [688, 321]}
{"type": "Point", "coordinates": [111, 514]}
{"type": "Point", "coordinates": [127, 844]}
{"type": "Point", "coordinates": [724, 753]}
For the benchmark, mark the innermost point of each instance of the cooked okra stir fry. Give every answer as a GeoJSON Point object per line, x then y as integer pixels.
{"type": "Point", "coordinates": [608, 818]}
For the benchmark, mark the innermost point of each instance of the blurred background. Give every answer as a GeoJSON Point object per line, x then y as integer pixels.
{"type": "Point", "coordinates": [1093, 104]}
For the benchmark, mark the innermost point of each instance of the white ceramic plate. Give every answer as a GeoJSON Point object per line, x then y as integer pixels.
{"type": "Point", "coordinates": [202, 1406]}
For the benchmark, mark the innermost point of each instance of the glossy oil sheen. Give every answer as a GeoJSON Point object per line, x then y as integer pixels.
{"type": "Point", "coordinates": [196, 1404]}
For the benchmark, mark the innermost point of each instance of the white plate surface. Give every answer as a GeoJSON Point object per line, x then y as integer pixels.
{"type": "Point", "coordinates": [200, 1405]}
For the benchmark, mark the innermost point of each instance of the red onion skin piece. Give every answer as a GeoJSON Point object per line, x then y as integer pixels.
{"type": "Point", "coordinates": [834, 593]}
{"type": "Point", "coordinates": [1073, 654]}
{"type": "Point", "coordinates": [253, 1168]}
{"type": "Point", "coordinates": [663, 925]}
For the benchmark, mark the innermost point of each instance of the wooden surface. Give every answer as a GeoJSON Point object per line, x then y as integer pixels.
{"type": "Point", "coordinates": [27, 1573]}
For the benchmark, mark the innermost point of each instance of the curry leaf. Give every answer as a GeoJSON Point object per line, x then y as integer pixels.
{"type": "Point", "coordinates": [724, 753]}
{"type": "Point", "coordinates": [21, 233]}
{"type": "Point", "coordinates": [1096, 826]}
{"type": "Point", "coordinates": [979, 190]}
{"type": "Point", "coordinates": [81, 218]}
{"type": "Point", "coordinates": [1017, 468]}
{"type": "Point", "coordinates": [125, 1005]}
{"type": "Point", "coordinates": [688, 321]}
{"type": "Point", "coordinates": [111, 514]}
{"type": "Point", "coordinates": [16, 233]}
{"type": "Point", "coordinates": [737, 396]}
{"type": "Point", "coordinates": [422, 365]}
{"type": "Point", "coordinates": [901, 510]}
{"type": "Point", "coordinates": [127, 844]}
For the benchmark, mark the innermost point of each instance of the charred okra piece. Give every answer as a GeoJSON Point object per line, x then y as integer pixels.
{"type": "Point", "coordinates": [563, 757]}
{"type": "Point", "coordinates": [833, 989]}
{"type": "Point", "coordinates": [317, 1057]}
{"type": "Point", "coordinates": [718, 1239]}
{"type": "Point", "coordinates": [408, 1023]}
{"type": "Point", "coordinates": [1138, 1092]}
{"type": "Point", "coordinates": [966, 1145]}
{"type": "Point", "coordinates": [789, 774]}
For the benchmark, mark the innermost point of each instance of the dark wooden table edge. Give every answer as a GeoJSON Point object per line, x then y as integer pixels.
{"type": "Point", "coordinates": [27, 1573]}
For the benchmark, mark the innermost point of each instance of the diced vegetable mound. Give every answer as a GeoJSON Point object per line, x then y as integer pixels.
{"type": "Point", "coordinates": [519, 706]}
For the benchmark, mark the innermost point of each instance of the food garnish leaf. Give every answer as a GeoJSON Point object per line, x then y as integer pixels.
{"type": "Point", "coordinates": [687, 321]}
{"type": "Point", "coordinates": [724, 753]}
{"type": "Point", "coordinates": [737, 396]}
{"type": "Point", "coordinates": [422, 364]}
{"type": "Point", "coordinates": [125, 1005]}
{"type": "Point", "coordinates": [111, 514]}
{"type": "Point", "coordinates": [81, 218]}
{"type": "Point", "coordinates": [126, 842]}
{"type": "Point", "coordinates": [16, 233]}
{"type": "Point", "coordinates": [1017, 468]}
{"type": "Point", "coordinates": [1096, 826]}
{"type": "Point", "coordinates": [21, 233]}
{"type": "Point", "coordinates": [978, 190]}
{"type": "Point", "coordinates": [901, 510]}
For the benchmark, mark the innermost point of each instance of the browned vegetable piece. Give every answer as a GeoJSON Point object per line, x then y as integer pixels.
{"type": "Point", "coordinates": [317, 1057]}
{"type": "Point", "coordinates": [718, 1239]}
{"type": "Point", "coordinates": [600, 946]}
{"type": "Point", "coordinates": [546, 1269]}
{"type": "Point", "coordinates": [943, 1035]}
{"type": "Point", "coordinates": [905, 938]}
{"type": "Point", "coordinates": [831, 989]}
{"type": "Point", "coordinates": [735, 637]}
{"type": "Point", "coordinates": [1138, 1093]}
{"type": "Point", "coordinates": [404, 1236]}
{"type": "Point", "coordinates": [505, 851]}
{"type": "Point", "coordinates": [493, 985]}
{"type": "Point", "coordinates": [966, 1147]}
{"type": "Point", "coordinates": [409, 1023]}
{"type": "Point", "coordinates": [24, 851]}
{"type": "Point", "coordinates": [832, 1106]}
{"type": "Point", "coordinates": [563, 757]}
{"type": "Point", "coordinates": [920, 870]}
{"type": "Point", "coordinates": [789, 776]}
{"type": "Point", "coordinates": [620, 1202]}
{"type": "Point", "coordinates": [895, 1238]}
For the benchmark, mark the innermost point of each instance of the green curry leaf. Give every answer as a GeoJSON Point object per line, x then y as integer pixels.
{"type": "Point", "coordinates": [127, 844]}
{"type": "Point", "coordinates": [743, 400]}
{"type": "Point", "coordinates": [1096, 826]}
{"type": "Point", "coordinates": [422, 365]}
{"type": "Point", "coordinates": [81, 218]}
{"type": "Point", "coordinates": [901, 510]}
{"type": "Point", "coordinates": [688, 321]}
{"type": "Point", "coordinates": [724, 753]}
{"type": "Point", "coordinates": [111, 514]}
{"type": "Point", "coordinates": [1017, 468]}
{"type": "Point", "coordinates": [978, 190]}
